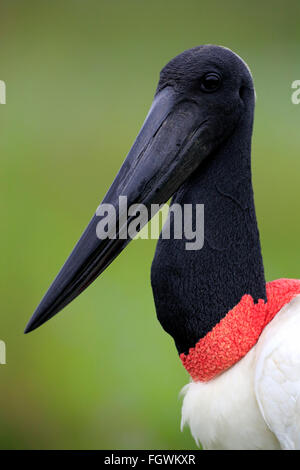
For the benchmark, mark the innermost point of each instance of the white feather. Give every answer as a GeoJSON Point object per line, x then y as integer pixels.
{"type": "Point", "coordinates": [256, 403]}
{"type": "Point", "coordinates": [277, 375]}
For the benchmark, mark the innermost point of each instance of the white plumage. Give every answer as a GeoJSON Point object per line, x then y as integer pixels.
{"type": "Point", "coordinates": [256, 403]}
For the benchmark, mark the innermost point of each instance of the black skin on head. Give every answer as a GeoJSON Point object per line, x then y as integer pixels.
{"type": "Point", "coordinates": [222, 108]}
{"type": "Point", "coordinates": [194, 290]}
{"type": "Point", "coordinates": [186, 70]}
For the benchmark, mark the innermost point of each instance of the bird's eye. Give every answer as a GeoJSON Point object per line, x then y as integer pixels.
{"type": "Point", "coordinates": [210, 82]}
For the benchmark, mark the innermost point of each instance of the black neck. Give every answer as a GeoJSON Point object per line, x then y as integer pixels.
{"type": "Point", "coordinates": [194, 290]}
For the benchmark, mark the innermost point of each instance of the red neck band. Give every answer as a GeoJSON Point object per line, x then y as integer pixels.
{"type": "Point", "coordinates": [237, 332]}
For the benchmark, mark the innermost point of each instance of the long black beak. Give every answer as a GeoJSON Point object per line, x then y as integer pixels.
{"type": "Point", "coordinates": [167, 150]}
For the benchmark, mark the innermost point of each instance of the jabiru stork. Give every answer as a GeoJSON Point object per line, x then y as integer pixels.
{"type": "Point", "coordinates": [237, 336]}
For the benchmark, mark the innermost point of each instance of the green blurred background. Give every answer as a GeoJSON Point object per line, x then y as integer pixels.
{"type": "Point", "coordinates": [80, 78]}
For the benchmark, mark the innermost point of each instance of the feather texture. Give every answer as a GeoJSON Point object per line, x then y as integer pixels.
{"type": "Point", "coordinates": [277, 375]}
{"type": "Point", "coordinates": [256, 403]}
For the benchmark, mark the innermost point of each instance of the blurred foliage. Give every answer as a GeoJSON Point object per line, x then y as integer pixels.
{"type": "Point", "coordinates": [80, 78]}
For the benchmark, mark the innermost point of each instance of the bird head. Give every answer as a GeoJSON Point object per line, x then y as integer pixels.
{"type": "Point", "coordinates": [200, 98]}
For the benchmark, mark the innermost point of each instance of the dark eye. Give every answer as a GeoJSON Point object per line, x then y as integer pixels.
{"type": "Point", "coordinates": [210, 82]}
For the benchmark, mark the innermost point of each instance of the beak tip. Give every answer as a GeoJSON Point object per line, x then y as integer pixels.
{"type": "Point", "coordinates": [30, 326]}
{"type": "Point", "coordinates": [35, 321]}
